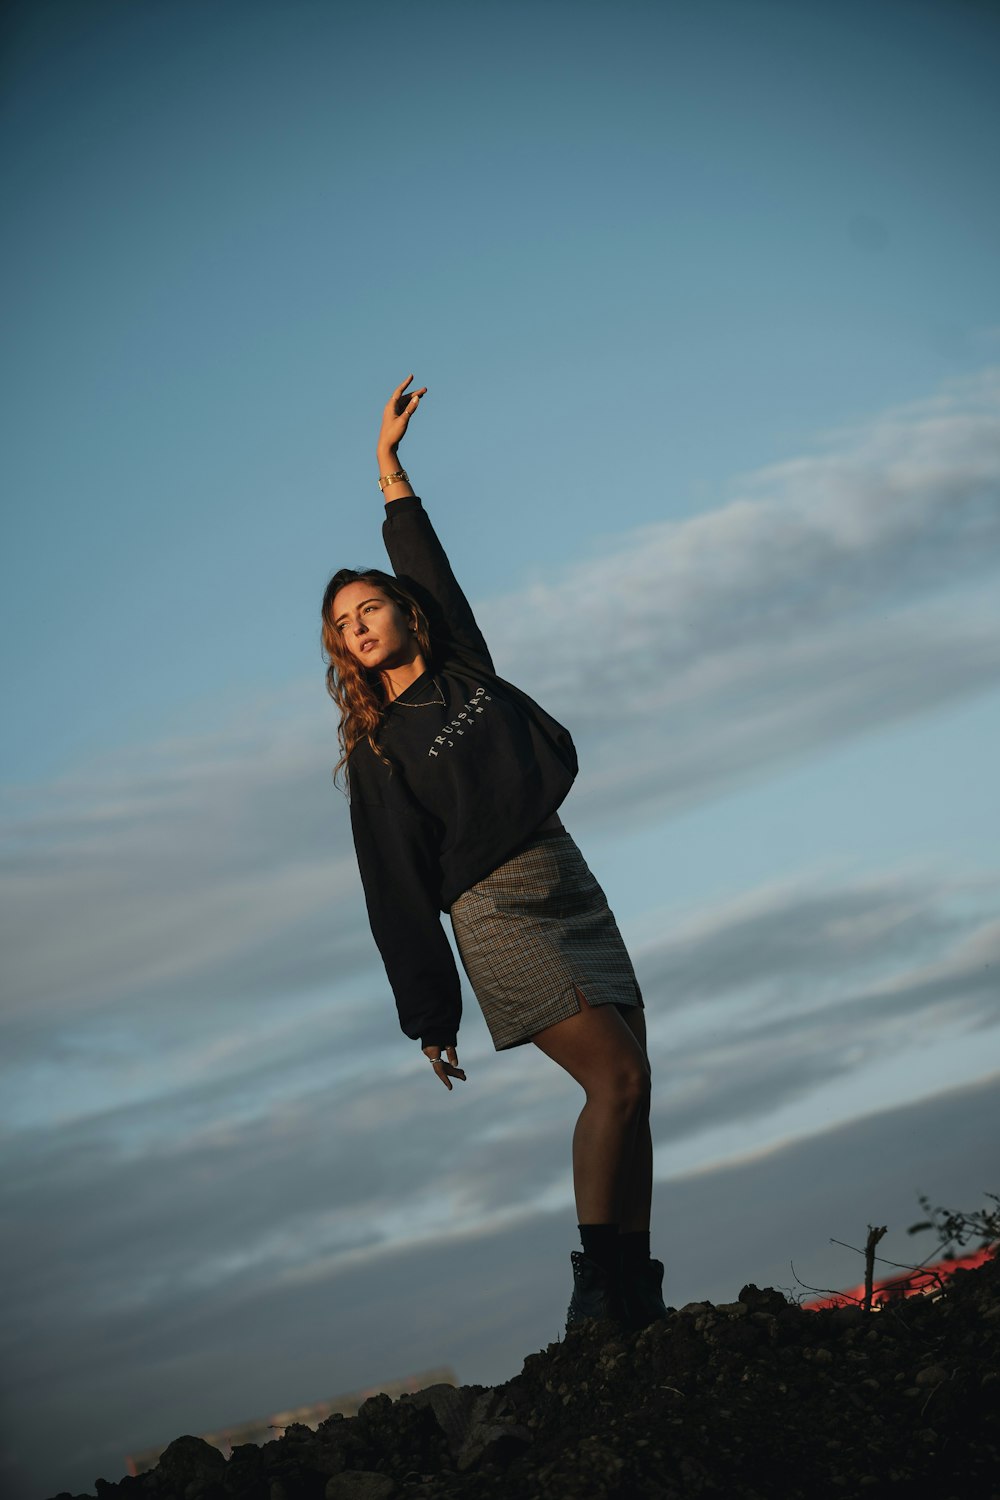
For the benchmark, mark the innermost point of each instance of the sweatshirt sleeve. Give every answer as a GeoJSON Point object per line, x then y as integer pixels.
{"type": "Point", "coordinates": [402, 882]}
{"type": "Point", "coordinates": [419, 560]}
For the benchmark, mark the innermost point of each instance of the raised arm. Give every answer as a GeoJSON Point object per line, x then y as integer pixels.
{"type": "Point", "coordinates": [395, 419]}
{"type": "Point", "coordinates": [414, 549]}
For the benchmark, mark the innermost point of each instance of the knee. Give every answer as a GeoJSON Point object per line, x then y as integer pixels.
{"type": "Point", "coordinates": [626, 1088]}
{"type": "Point", "coordinates": [638, 1091]}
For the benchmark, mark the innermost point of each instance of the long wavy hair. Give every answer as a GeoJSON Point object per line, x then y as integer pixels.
{"type": "Point", "coordinates": [357, 692]}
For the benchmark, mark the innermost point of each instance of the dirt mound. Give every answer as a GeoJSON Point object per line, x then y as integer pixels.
{"type": "Point", "coordinates": [752, 1400]}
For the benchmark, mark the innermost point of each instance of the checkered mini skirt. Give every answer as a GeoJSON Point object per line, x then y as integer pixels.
{"type": "Point", "coordinates": [534, 931]}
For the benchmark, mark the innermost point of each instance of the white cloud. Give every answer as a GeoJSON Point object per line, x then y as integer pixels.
{"type": "Point", "coordinates": [836, 593]}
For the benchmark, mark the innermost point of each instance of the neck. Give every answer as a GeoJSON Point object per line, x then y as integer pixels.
{"type": "Point", "coordinates": [397, 679]}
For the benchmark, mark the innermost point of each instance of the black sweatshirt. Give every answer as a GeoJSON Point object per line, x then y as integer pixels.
{"type": "Point", "coordinates": [471, 778]}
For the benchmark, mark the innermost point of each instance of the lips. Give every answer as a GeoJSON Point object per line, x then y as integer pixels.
{"type": "Point", "coordinates": [367, 646]}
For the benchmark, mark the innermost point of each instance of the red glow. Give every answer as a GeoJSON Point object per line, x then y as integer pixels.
{"type": "Point", "coordinates": [916, 1283]}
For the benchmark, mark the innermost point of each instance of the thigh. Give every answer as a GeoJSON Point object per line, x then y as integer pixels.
{"type": "Point", "coordinates": [596, 1047]}
{"type": "Point", "coordinates": [635, 1019]}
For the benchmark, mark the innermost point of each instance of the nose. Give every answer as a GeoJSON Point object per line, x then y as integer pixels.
{"type": "Point", "coordinates": [360, 627]}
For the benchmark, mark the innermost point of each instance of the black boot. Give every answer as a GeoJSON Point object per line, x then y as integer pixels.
{"type": "Point", "coordinates": [596, 1293]}
{"type": "Point", "coordinates": [642, 1294]}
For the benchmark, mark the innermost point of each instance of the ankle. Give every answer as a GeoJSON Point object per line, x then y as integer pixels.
{"type": "Point", "coordinates": [634, 1246]}
{"type": "Point", "coordinates": [601, 1244]}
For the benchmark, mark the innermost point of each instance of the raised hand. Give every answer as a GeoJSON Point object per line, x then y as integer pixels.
{"type": "Point", "coordinates": [395, 418]}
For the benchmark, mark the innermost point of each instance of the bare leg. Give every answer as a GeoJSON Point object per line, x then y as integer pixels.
{"type": "Point", "coordinates": [638, 1192]}
{"type": "Point", "coordinates": [607, 1059]}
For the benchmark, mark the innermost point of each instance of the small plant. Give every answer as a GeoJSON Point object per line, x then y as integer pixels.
{"type": "Point", "coordinates": [955, 1228]}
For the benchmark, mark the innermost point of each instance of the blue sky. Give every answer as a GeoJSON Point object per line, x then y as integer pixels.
{"type": "Point", "coordinates": [706, 299]}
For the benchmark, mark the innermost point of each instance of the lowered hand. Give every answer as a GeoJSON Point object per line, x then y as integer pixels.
{"type": "Point", "coordinates": [445, 1066]}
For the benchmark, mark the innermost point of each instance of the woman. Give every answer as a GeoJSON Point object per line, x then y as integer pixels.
{"type": "Point", "coordinates": [455, 777]}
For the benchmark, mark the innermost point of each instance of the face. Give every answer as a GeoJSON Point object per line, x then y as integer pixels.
{"type": "Point", "coordinates": [373, 627]}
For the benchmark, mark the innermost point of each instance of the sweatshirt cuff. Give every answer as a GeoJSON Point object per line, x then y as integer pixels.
{"type": "Point", "coordinates": [405, 502]}
{"type": "Point", "coordinates": [440, 1039]}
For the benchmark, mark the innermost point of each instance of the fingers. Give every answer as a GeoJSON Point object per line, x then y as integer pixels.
{"type": "Point", "coordinates": [451, 1068]}
{"type": "Point", "coordinates": [396, 417]}
{"type": "Point", "coordinates": [411, 405]}
{"type": "Point", "coordinates": [402, 399]}
{"type": "Point", "coordinates": [445, 1066]}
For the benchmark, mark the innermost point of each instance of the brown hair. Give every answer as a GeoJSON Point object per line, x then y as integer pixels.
{"type": "Point", "coordinates": [358, 693]}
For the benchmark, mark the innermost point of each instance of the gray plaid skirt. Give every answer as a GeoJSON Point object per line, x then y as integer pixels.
{"type": "Point", "coordinates": [532, 932]}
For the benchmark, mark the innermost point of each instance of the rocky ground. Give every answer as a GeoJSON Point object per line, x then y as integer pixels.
{"type": "Point", "coordinates": [751, 1400]}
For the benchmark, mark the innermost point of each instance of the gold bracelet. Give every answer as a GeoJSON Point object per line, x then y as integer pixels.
{"type": "Point", "coordinates": [392, 478]}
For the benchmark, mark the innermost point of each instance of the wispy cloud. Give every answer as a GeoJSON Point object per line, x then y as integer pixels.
{"type": "Point", "coordinates": [220, 867]}
{"type": "Point", "coordinates": [164, 1194]}
{"type": "Point", "coordinates": [835, 593]}
{"type": "Point", "coordinates": [790, 989]}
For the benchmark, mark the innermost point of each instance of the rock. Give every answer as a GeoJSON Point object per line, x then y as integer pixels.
{"type": "Point", "coordinates": [452, 1408]}
{"type": "Point", "coordinates": [245, 1477]}
{"type": "Point", "coordinates": [766, 1300]}
{"type": "Point", "coordinates": [494, 1434]}
{"type": "Point", "coordinates": [396, 1435]}
{"type": "Point", "coordinates": [481, 1424]}
{"type": "Point", "coordinates": [931, 1375]}
{"type": "Point", "coordinates": [188, 1459]}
